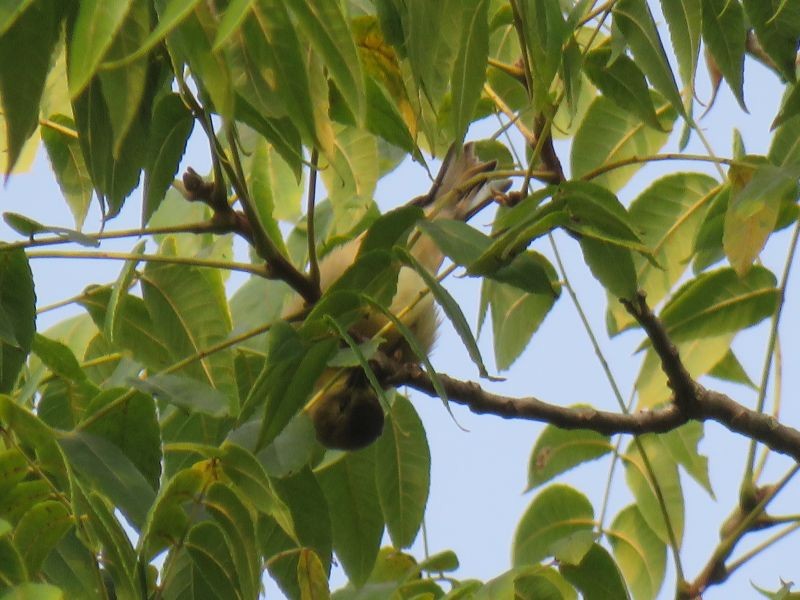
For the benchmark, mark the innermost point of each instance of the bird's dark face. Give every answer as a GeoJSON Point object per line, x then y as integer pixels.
{"type": "Point", "coordinates": [349, 419]}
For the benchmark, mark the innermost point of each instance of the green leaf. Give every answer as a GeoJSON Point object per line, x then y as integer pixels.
{"type": "Point", "coordinates": [104, 465]}
{"type": "Point", "coordinates": [10, 12]}
{"type": "Point", "coordinates": [350, 489]}
{"type": "Point", "coordinates": [641, 556]}
{"type": "Point", "coordinates": [635, 21]}
{"type": "Point", "coordinates": [37, 30]}
{"type": "Point", "coordinates": [597, 576]}
{"type": "Point", "coordinates": [559, 450]}
{"type": "Point", "coordinates": [466, 246]}
{"type": "Point", "coordinates": [390, 229]}
{"type": "Point", "coordinates": [13, 469]}
{"type": "Point", "coordinates": [33, 591]}
{"type": "Point", "coordinates": [114, 174]}
{"type": "Point", "coordinates": [73, 567]}
{"type": "Point", "coordinates": [111, 326]}
{"type": "Point", "coordinates": [167, 521]}
{"type": "Point", "coordinates": [190, 314]}
{"type": "Point", "coordinates": [665, 471]}
{"type": "Point", "coordinates": [725, 35]}
{"type": "Point", "coordinates": [249, 478]}
{"type": "Point", "coordinates": [612, 266]}
{"type": "Point", "coordinates": [777, 25]}
{"type": "Point", "coordinates": [231, 21]}
{"type": "Point", "coordinates": [558, 512]}
{"type": "Point", "coordinates": [620, 79]}
{"type": "Point", "coordinates": [18, 302]}
{"type": "Point", "coordinates": [718, 302]}
{"type": "Point", "coordinates": [39, 530]}
{"type": "Point", "coordinates": [451, 309]}
{"type": "Point", "coordinates": [118, 551]}
{"type": "Point", "coordinates": [69, 167]}
{"type": "Point", "coordinates": [311, 576]}
{"type": "Point", "coordinates": [790, 107]}
{"type": "Point", "coordinates": [95, 28]}
{"type": "Point", "coordinates": [303, 495]}
{"type": "Point", "coordinates": [684, 19]}
{"type": "Point", "coordinates": [171, 13]}
{"type": "Point", "coordinates": [169, 132]}
{"type": "Point", "coordinates": [682, 444]}
{"type": "Point", "coordinates": [29, 227]}
{"type": "Point", "coordinates": [668, 216]}
{"type": "Point", "coordinates": [136, 333]}
{"type": "Point", "coordinates": [130, 422]}
{"type": "Point", "coordinates": [210, 552]}
{"type": "Point", "coordinates": [698, 356]}
{"type": "Point", "coordinates": [186, 393]}
{"type": "Point", "coordinates": [238, 524]}
{"type": "Point", "coordinates": [545, 36]}
{"type": "Point", "coordinates": [403, 472]}
{"type": "Point", "coordinates": [290, 373]}
{"type": "Point", "coordinates": [326, 27]}
{"type": "Point", "coordinates": [753, 212]}
{"type": "Point", "coordinates": [126, 89]}
{"type": "Point", "coordinates": [516, 317]}
{"type": "Point", "coordinates": [469, 70]}
{"type": "Point", "coordinates": [275, 26]}
{"type": "Point", "coordinates": [730, 369]}
{"type": "Point", "coordinates": [441, 562]}
{"type": "Point", "coordinates": [609, 134]}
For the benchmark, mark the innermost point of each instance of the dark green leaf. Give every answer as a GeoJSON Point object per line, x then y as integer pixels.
{"type": "Point", "coordinates": [777, 25]}
{"type": "Point", "coordinates": [621, 80]}
{"type": "Point", "coordinates": [36, 29]}
{"type": "Point", "coordinates": [326, 27]}
{"type": "Point", "coordinates": [210, 552]}
{"type": "Point", "coordinates": [685, 18]}
{"type": "Point", "coordinates": [106, 467]}
{"type": "Point", "coordinates": [597, 576]}
{"type": "Point", "coordinates": [68, 166]}
{"type": "Point", "coordinates": [403, 472]}
{"type": "Point", "coordinates": [634, 19]}
{"type": "Point", "coordinates": [18, 302]}
{"type": "Point", "coordinates": [725, 35]}
{"type": "Point", "coordinates": [469, 70]}
{"type": "Point", "coordinates": [349, 487]}
{"type": "Point", "coordinates": [39, 530]}
{"type": "Point", "coordinates": [172, 124]}
{"type": "Point", "coordinates": [186, 393]}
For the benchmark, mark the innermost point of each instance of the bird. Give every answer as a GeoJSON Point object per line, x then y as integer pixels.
{"type": "Point", "coordinates": [347, 415]}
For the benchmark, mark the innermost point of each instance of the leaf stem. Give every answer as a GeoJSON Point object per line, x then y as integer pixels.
{"type": "Point", "coordinates": [154, 258]}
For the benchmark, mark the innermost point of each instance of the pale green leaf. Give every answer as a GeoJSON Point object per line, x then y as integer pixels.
{"type": "Point", "coordinates": [682, 444]}
{"type": "Point", "coordinates": [665, 471]}
{"type": "Point", "coordinates": [558, 450]}
{"type": "Point", "coordinates": [95, 28]}
{"type": "Point", "coordinates": [39, 530]}
{"type": "Point", "coordinates": [634, 19]}
{"type": "Point", "coordinates": [609, 134]}
{"type": "Point", "coordinates": [641, 556]}
{"type": "Point", "coordinates": [556, 513]}
{"type": "Point", "coordinates": [684, 19]}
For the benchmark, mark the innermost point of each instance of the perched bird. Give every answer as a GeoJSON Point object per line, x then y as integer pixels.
{"type": "Point", "coordinates": [348, 416]}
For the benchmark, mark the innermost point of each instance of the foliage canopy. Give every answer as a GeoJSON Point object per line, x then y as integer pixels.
{"type": "Point", "coordinates": [156, 445]}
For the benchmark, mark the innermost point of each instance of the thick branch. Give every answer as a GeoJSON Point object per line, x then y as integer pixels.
{"type": "Point", "coordinates": [705, 405]}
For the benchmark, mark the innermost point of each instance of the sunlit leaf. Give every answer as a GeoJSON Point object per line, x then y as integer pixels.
{"type": "Point", "coordinates": [641, 556]}
{"type": "Point", "coordinates": [555, 514]}
{"type": "Point", "coordinates": [559, 450]}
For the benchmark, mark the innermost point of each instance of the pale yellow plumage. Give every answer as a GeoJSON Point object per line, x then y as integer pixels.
{"type": "Point", "coordinates": [349, 416]}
